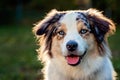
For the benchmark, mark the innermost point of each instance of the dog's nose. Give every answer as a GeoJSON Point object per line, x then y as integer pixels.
{"type": "Point", "coordinates": [71, 45]}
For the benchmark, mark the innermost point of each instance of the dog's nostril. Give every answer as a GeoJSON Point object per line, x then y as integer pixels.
{"type": "Point", "coordinates": [72, 45]}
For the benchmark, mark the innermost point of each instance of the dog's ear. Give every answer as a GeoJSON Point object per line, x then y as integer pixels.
{"type": "Point", "coordinates": [43, 26]}
{"type": "Point", "coordinates": [100, 25]}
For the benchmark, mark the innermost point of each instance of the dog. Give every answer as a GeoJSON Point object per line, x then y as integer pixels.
{"type": "Point", "coordinates": [73, 45]}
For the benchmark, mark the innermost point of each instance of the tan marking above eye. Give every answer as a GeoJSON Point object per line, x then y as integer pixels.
{"type": "Point", "coordinates": [81, 25]}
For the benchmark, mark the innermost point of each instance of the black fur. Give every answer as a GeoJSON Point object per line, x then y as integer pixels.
{"type": "Point", "coordinates": [46, 24]}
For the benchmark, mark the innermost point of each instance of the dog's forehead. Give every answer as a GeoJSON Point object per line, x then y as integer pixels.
{"type": "Point", "coordinates": [69, 15]}
{"type": "Point", "coordinates": [71, 18]}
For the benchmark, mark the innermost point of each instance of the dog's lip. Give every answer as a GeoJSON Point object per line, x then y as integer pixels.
{"type": "Point", "coordinates": [75, 58]}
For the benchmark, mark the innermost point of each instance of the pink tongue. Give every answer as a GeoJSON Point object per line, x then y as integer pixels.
{"type": "Point", "coordinates": [72, 60]}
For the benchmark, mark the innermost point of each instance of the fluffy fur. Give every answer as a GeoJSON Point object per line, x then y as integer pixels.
{"type": "Point", "coordinates": [89, 29]}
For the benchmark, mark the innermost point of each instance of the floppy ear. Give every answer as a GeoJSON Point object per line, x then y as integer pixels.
{"type": "Point", "coordinates": [43, 26]}
{"type": "Point", "coordinates": [100, 25]}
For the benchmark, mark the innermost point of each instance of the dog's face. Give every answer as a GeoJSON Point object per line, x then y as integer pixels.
{"type": "Point", "coordinates": [73, 34]}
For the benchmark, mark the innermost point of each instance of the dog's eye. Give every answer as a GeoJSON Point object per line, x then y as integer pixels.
{"type": "Point", "coordinates": [61, 33]}
{"type": "Point", "coordinates": [83, 31]}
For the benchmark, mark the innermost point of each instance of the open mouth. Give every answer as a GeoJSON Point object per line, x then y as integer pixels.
{"type": "Point", "coordinates": [74, 60]}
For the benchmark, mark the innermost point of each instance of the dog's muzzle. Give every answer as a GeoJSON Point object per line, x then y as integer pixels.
{"type": "Point", "coordinates": [73, 59]}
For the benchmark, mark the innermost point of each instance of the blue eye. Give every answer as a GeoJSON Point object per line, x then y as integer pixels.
{"type": "Point", "coordinates": [61, 33]}
{"type": "Point", "coordinates": [83, 31]}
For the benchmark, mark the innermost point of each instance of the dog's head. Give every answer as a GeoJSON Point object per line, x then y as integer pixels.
{"type": "Point", "coordinates": [73, 34]}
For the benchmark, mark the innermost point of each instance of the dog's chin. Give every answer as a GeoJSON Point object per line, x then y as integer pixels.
{"type": "Point", "coordinates": [74, 60]}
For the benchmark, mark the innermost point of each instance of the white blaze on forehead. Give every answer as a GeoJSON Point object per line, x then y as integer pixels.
{"type": "Point", "coordinates": [70, 21]}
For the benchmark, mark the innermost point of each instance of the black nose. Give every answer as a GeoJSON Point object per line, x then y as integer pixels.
{"type": "Point", "coordinates": [71, 45]}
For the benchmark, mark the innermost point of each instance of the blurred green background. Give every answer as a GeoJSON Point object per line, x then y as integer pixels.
{"type": "Point", "coordinates": [18, 58]}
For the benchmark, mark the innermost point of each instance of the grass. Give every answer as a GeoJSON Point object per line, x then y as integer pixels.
{"type": "Point", "coordinates": [18, 58]}
{"type": "Point", "coordinates": [115, 47]}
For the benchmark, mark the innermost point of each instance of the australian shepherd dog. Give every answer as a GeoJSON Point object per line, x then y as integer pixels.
{"type": "Point", "coordinates": [73, 45]}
